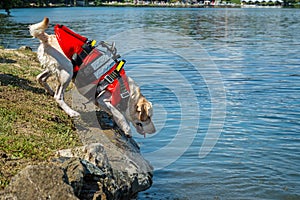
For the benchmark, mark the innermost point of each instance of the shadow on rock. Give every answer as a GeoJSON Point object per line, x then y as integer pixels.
{"type": "Point", "coordinates": [98, 119]}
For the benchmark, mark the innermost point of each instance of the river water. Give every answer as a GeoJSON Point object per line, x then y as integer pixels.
{"type": "Point", "coordinates": [225, 87]}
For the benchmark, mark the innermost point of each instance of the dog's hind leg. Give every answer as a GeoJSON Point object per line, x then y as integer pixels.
{"type": "Point", "coordinates": [64, 80]}
{"type": "Point", "coordinates": [64, 75]}
{"type": "Point", "coordinates": [42, 79]}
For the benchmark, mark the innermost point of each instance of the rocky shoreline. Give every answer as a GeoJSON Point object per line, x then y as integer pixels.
{"type": "Point", "coordinates": [85, 173]}
{"type": "Point", "coordinates": [107, 166]}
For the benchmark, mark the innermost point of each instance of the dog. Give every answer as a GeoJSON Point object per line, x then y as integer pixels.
{"type": "Point", "coordinates": [137, 110]}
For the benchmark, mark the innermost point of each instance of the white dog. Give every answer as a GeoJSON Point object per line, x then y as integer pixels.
{"type": "Point", "coordinates": [136, 109]}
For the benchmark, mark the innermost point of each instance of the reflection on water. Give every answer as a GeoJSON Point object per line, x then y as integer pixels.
{"type": "Point", "coordinates": [257, 54]}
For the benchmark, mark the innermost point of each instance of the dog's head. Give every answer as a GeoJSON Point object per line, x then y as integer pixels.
{"type": "Point", "coordinates": [142, 116]}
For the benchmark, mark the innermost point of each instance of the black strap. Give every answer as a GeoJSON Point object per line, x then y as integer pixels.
{"type": "Point", "coordinates": [123, 91]}
{"type": "Point", "coordinates": [110, 78]}
{"type": "Point", "coordinates": [124, 95]}
{"type": "Point", "coordinates": [77, 59]}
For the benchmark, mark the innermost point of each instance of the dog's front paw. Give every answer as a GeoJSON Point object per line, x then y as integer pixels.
{"type": "Point", "coordinates": [128, 135]}
{"type": "Point", "coordinates": [127, 132]}
{"type": "Point", "coordinates": [74, 114]}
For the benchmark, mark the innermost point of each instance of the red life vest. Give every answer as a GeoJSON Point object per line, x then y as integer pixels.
{"type": "Point", "coordinates": [71, 43]}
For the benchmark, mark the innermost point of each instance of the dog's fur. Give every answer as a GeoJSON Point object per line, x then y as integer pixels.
{"type": "Point", "coordinates": [138, 110]}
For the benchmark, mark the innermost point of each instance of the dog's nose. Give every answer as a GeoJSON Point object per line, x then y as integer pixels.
{"type": "Point", "coordinates": [139, 124]}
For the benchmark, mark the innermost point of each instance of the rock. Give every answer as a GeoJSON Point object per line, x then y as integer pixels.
{"type": "Point", "coordinates": [75, 172]}
{"type": "Point", "coordinates": [88, 172]}
{"type": "Point", "coordinates": [27, 48]}
{"type": "Point", "coordinates": [112, 177]}
{"type": "Point", "coordinates": [39, 182]}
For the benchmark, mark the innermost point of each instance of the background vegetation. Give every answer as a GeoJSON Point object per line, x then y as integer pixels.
{"type": "Point", "coordinates": [9, 4]}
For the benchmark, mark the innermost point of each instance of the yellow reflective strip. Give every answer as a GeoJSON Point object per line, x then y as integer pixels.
{"type": "Point", "coordinates": [120, 65]}
{"type": "Point", "coordinates": [93, 43]}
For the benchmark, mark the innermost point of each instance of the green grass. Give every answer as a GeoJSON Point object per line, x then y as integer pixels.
{"type": "Point", "coordinates": [32, 127]}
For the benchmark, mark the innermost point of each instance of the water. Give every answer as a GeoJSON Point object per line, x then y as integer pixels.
{"type": "Point", "coordinates": [245, 72]}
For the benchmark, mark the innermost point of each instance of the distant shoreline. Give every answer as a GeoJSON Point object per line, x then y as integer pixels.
{"type": "Point", "coordinates": [151, 5]}
{"type": "Point", "coordinates": [159, 5]}
{"type": "Point", "coordinates": [172, 5]}
{"type": "Point", "coordinates": [165, 5]}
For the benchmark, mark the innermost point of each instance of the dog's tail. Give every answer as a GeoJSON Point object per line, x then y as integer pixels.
{"type": "Point", "coordinates": [38, 30]}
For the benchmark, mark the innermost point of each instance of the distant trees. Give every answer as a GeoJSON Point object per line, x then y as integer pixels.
{"type": "Point", "coordinates": [292, 2]}
{"type": "Point", "coordinates": [6, 5]}
{"type": "Point", "coordinates": [9, 4]}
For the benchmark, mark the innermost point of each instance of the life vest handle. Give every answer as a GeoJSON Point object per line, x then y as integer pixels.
{"type": "Point", "coordinates": [111, 48]}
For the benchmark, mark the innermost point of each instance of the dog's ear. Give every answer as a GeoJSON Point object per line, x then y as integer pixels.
{"type": "Point", "coordinates": [142, 111]}
{"type": "Point", "coordinates": [144, 108]}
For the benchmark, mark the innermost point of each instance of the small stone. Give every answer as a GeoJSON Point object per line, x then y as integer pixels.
{"type": "Point", "coordinates": [25, 48]}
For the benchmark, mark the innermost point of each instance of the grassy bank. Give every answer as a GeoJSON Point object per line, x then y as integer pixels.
{"type": "Point", "coordinates": [32, 127]}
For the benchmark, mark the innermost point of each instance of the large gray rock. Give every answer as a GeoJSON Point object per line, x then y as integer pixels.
{"type": "Point", "coordinates": [39, 182]}
{"type": "Point", "coordinates": [118, 176]}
